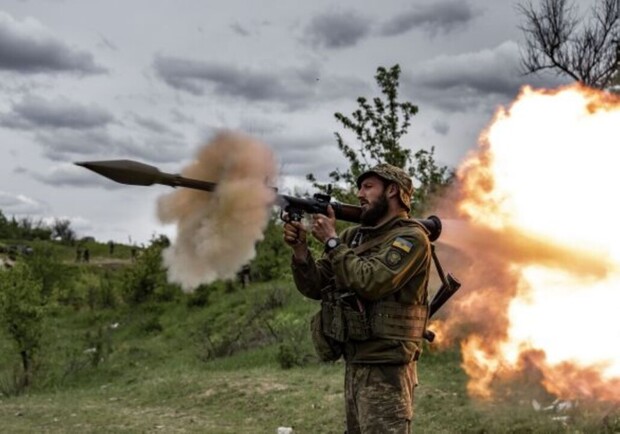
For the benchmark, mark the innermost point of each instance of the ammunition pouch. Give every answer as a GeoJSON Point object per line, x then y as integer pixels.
{"type": "Point", "coordinates": [357, 325]}
{"type": "Point", "coordinates": [343, 321]}
{"type": "Point", "coordinates": [333, 321]}
{"type": "Point", "coordinates": [326, 348]}
{"type": "Point", "coordinates": [340, 321]}
{"type": "Point", "coordinates": [394, 320]}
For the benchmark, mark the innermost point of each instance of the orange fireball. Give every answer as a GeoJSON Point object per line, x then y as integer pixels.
{"type": "Point", "coordinates": [541, 224]}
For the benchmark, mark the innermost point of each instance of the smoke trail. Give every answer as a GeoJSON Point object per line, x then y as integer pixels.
{"type": "Point", "coordinates": [217, 231]}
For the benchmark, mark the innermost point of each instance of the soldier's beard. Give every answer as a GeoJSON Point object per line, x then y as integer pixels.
{"type": "Point", "coordinates": [375, 211]}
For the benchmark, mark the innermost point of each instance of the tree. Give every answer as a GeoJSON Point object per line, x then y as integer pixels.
{"type": "Point", "coordinates": [379, 127]}
{"type": "Point", "coordinates": [4, 226]}
{"type": "Point", "coordinates": [61, 229]}
{"type": "Point", "coordinates": [24, 228]}
{"type": "Point", "coordinates": [556, 39]}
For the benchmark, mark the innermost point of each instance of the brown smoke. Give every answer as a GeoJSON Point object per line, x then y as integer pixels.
{"type": "Point", "coordinates": [217, 231]}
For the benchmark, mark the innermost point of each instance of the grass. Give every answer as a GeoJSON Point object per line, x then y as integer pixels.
{"type": "Point", "coordinates": [214, 367]}
{"type": "Point", "coordinates": [222, 397]}
{"type": "Point", "coordinates": [188, 400]}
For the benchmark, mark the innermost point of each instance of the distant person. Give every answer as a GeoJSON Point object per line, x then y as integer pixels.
{"type": "Point", "coordinates": [372, 282]}
{"type": "Point", "coordinates": [134, 253]}
{"type": "Point", "coordinates": [244, 275]}
{"type": "Point", "coordinates": [111, 247]}
{"type": "Point", "coordinates": [86, 255]}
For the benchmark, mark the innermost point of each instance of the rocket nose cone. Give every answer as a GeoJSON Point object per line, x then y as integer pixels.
{"type": "Point", "coordinates": [94, 166]}
{"type": "Point", "coordinates": [125, 171]}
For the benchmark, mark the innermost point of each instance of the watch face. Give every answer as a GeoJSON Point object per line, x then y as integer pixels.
{"type": "Point", "coordinates": [332, 242]}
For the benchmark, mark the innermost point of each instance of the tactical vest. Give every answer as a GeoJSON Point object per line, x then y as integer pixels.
{"type": "Point", "coordinates": [344, 317]}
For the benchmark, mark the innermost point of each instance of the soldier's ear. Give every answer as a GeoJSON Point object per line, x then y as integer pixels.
{"type": "Point", "coordinates": [392, 190]}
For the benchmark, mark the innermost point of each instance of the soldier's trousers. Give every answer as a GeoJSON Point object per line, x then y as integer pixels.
{"type": "Point", "coordinates": [379, 398]}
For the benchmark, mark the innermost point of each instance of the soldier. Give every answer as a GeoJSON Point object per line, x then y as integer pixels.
{"type": "Point", "coordinates": [372, 282]}
{"type": "Point", "coordinates": [244, 275]}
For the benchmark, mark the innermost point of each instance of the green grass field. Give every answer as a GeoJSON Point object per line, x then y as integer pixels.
{"type": "Point", "coordinates": [215, 363]}
{"type": "Point", "coordinates": [256, 396]}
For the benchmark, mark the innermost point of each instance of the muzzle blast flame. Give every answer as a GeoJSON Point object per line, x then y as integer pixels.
{"type": "Point", "coordinates": [539, 231]}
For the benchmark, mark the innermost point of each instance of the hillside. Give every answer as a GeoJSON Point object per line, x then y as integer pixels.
{"type": "Point", "coordinates": [120, 350]}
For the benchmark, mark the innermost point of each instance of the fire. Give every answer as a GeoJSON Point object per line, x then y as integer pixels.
{"type": "Point", "coordinates": [542, 291]}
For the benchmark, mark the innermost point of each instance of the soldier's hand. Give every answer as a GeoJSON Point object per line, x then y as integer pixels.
{"type": "Point", "coordinates": [324, 226]}
{"type": "Point", "coordinates": [294, 234]}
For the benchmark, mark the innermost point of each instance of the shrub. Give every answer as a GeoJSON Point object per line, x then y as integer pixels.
{"type": "Point", "coordinates": [200, 296]}
{"type": "Point", "coordinates": [146, 279]}
{"type": "Point", "coordinates": [22, 314]}
{"type": "Point", "coordinates": [273, 256]}
{"type": "Point", "coordinates": [47, 267]}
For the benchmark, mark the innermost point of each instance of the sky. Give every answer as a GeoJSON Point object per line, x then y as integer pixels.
{"type": "Point", "coordinates": [153, 80]}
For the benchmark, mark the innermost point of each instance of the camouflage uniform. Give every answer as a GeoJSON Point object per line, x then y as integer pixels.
{"type": "Point", "coordinates": [373, 288]}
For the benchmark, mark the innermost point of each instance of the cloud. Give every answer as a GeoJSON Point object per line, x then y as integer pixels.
{"type": "Point", "coordinates": [470, 80]}
{"type": "Point", "coordinates": [263, 126]}
{"type": "Point", "coordinates": [441, 127]}
{"type": "Point", "coordinates": [69, 145]}
{"type": "Point", "coordinates": [106, 43]}
{"type": "Point", "coordinates": [299, 150]}
{"type": "Point", "coordinates": [294, 87]}
{"type": "Point", "coordinates": [67, 130]}
{"type": "Point", "coordinates": [156, 149]}
{"type": "Point", "coordinates": [300, 154]}
{"type": "Point", "coordinates": [70, 175]}
{"type": "Point", "coordinates": [64, 145]}
{"type": "Point", "coordinates": [239, 29]}
{"type": "Point", "coordinates": [79, 224]}
{"type": "Point", "coordinates": [35, 112]}
{"type": "Point", "coordinates": [19, 204]}
{"type": "Point", "coordinates": [155, 126]}
{"type": "Point", "coordinates": [440, 17]}
{"type": "Point", "coordinates": [28, 47]}
{"type": "Point", "coordinates": [334, 30]}
{"type": "Point", "coordinates": [192, 76]}
{"type": "Point", "coordinates": [180, 117]}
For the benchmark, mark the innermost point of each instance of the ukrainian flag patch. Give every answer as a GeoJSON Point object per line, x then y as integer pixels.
{"type": "Point", "coordinates": [402, 244]}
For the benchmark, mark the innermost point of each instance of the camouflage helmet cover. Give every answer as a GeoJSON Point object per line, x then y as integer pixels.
{"type": "Point", "coordinates": [392, 174]}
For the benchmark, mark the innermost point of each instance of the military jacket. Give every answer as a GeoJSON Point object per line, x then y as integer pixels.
{"type": "Point", "coordinates": [394, 268]}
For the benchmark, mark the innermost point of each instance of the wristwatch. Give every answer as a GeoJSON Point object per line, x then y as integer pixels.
{"type": "Point", "coordinates": [332, 243]}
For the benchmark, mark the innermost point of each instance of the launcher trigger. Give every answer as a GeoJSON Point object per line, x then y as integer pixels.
{"type": "Point", "coordinates": [291, 215]}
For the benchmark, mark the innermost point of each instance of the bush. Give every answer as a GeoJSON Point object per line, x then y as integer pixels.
{"type": "Point", "coordinates": [288, 356]}
{"type": "Point", "coordinates": [273, 256]}
{"type": "Point", "coordinates": [200, 296]}
{"type": "Point", "coordinates": [146, 279]}
{"type": "Point", "coordinates": [22, 314]}
{"type": "Point", "coordinates": [151, 324]}
{"type": "Point", "coordinates": [46, 266]}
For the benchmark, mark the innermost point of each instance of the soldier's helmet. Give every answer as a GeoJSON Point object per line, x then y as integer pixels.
{"type": "Point", "coordinates": [392, 174]}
